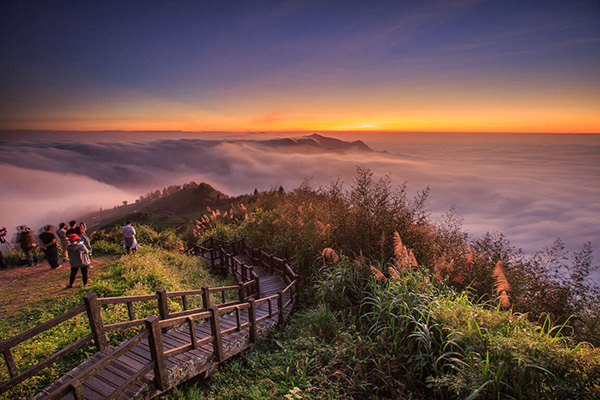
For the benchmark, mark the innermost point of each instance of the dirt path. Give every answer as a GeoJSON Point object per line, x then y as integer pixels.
{"type": "Point", "coordinates": [24, 287]}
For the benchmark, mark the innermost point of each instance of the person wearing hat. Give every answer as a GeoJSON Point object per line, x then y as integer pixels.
{"type": "Point", "coordinates": [79, 258]}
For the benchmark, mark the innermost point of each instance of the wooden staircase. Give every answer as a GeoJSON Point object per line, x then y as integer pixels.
{"type": "Point", "coordinates": [177, 346]}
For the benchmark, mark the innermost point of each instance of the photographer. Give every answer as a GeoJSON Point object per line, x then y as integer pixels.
{"type": "Point", "coordinates": [28, 244]}
{"type": "Point", "coordinates": [3, 263]}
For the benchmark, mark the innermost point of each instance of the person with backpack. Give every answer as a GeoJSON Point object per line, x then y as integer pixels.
{"type": "Point", "coordinates": [79, 258]}
{"type": "Point", "coordinates": [28, 244]}
{"type": "Point", "coordinates": [129, 242]}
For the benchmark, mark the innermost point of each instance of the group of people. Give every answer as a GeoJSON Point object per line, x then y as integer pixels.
{"type": "Point", "coordinates": [75, 247]}
{"type": "Point", "coordinates": [72, 242]}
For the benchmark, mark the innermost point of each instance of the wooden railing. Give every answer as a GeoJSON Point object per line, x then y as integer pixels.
{"type": "Point", "coordinates": [248, 297]}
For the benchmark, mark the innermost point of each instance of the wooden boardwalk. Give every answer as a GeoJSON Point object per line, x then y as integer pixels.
{"type": "Point", "coordinates": [191, 343]}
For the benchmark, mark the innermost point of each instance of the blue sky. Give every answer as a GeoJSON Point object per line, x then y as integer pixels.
{"type": "Point", "coordinates": [300, 65]}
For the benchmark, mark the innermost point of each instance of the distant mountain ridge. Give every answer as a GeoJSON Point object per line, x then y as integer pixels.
{"type": "Point", "coordinates": [316, 142]}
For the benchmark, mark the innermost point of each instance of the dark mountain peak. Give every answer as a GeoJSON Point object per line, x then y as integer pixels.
{"type": "Point", "coordinates": [330, 143]}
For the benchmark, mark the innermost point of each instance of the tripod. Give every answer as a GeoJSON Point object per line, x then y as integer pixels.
{"type": "Point", "coordinates": [3, 240]}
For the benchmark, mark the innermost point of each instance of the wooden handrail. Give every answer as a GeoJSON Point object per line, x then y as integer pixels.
{"type": "Point", "coordinates": [12, 342]}
{"type": "Point", "coordinates": [126, 299]}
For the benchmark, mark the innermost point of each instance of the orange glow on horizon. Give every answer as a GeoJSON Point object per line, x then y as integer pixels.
{"type": "Point", "coordinates": [526, 122]}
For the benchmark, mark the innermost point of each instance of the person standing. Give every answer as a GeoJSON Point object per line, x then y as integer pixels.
{"type": "Point", "coordinates": [50, 246]}
{"type": "Point", "coordinates": [78, 258]}
{"type": "Point", "coordinates": [84, 237]}
{"type": "Point", "coordinates": [129, 242]}
{"type": "Point", "coordinates": [62, 236]}
{"type": "Point", "coordinates": [73, 229]}
{"type": "Point", "coordinates": [28, 244]}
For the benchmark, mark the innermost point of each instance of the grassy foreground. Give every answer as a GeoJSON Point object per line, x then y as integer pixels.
{"type": "Point", "coordinates": [32, 295]}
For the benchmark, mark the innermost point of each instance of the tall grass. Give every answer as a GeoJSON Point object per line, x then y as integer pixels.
{"type": "Point", "coordinates": [441, 344]}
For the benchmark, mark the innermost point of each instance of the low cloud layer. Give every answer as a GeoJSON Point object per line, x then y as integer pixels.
{"type": "Point", "coordinates": [532, 188]}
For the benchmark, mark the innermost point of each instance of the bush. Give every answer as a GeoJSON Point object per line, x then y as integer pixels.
{"type": "Point", "coordinates": [441, 344]}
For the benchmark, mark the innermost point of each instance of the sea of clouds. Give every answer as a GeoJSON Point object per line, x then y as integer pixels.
{"type": "Point", "coordinates": [533, 188]}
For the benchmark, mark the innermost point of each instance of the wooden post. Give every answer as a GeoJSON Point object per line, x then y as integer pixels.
{"type": "Point", "coordinates": [271, 264]}
{"type": "Point", "coordinates": [257, 286]}
{"type": "Point", "coordinates": [93, 312]}
{"type": "Point", "coordinates": [215, 328]}
{"type": "Point", "coordinates": [130, 311]}
{"type": "Point", "coordinates": [163, 305]}
{"type": "Point", "coordinates": [260, 257]}
{"type": "Point", "coordinates": [78, 391]}
{"type": "Point", "coordinates": [184, 303]}
{"type": "Point", "coordinates": [241, 296]}
{"type": "Point", "coordinates": [10, 363]}
{"type": "Point", "coordinates": [192, 327]}
{"type": "Point", "coordinates": [252, 318]}
{"type": "Point", "coordinates": [222, 260]}
{"type": "Point", "coordinates": [243, 272]}
{"type": "Point", "coordinates": [205, 298]}
{"type": "Point", "coordinates": [280, 307]}
{"type": "Point", "coordinates": [157, 352]}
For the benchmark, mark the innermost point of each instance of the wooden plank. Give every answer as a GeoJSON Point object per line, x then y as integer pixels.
{"type": "Point", "coordinates": [125, 369]}
{"type": "Point", "coordinates": [133, 361]}
{"type": "Point", "coordinates": [130, 382]}
{"type": "Point", "coordinates": [100, 385]}
{"type": "Point", "coordinates": [112, 368]}
{"type": "Point", "coordinates": [142, 352]}
{"type": "Point", "coordinates": [170, 343]}
{"type": "Point", "coordinates": [182, 337]}
{"type": "Point", "coordinates": [92, 393]}
{"type": "Point", "coordinates": [110, 377]}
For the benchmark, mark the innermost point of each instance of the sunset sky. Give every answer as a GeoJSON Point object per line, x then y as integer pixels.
{"type": "Point", "coordinates": [301, 65]}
